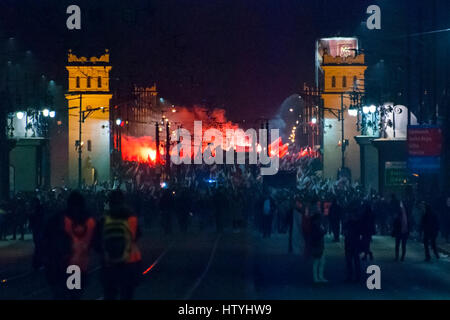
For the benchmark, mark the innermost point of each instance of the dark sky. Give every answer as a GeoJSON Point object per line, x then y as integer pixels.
{"type": "Point", "coordinates": [244, 55]}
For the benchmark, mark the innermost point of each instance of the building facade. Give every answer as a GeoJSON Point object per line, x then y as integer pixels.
{"type": "Point", "coordinates": [341, 78]}
{"type": "Point", "coordinates": [88, 100]}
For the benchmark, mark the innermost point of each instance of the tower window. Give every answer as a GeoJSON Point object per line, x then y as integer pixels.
{"type": "Point", "coordinates": [78, 82]}
{"type": "Point", "coordinates": [99, 82]}
{"type": "Point", "coordinates": [89, 145]}
{"type": "Point", "coordinates": [88, 82]}
{"type": "Point", "coordinates": [344, 82]}
{"type": "Point", "coordinates": [355, 82]}
{"type": "Point", "coordinates": [333, 81]}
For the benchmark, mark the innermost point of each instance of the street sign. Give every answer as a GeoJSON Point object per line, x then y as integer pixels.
{"type": "Point", "coordinates": [424, 141]}
{"type": "Point", "coordinates": [395, 173]}
{"type": "Point", "coordinates": [424, 148]}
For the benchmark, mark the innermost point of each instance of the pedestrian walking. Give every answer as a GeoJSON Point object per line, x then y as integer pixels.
{"type": "Point", "coordinates": [334, 216]}
{"type": "Point", "coordinates": [367, 229]}
{"type": "Point", "coordinates": [116, 241]}
{"type": "Point", "coordinates": [430, 228]}
{"type": "Point", "coordinates": [316, 241]}
{"type": "Point", "coordinates": [67, 241]}
{"type": "Point", "coordinates": [352, 245]}
{"type": "Point", "coordinates": [400, 228]}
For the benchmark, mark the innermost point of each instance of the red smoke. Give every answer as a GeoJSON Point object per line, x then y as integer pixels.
{"type": "Point", "coordinates": [143, 149]}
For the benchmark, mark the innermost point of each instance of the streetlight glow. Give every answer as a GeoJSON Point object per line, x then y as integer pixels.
{"type": "Point", "coordinates": [45, 112]}
{"type": "Point", "coordinates": [118, 122]}
{"type": "Point", "coordinates": [19, 115]}
{"type": "Point", "coordinates": [352, 112]}
{"type": "Point", "coordinates": [52, 114]}
{"type": "Point", "coordinates": [366, 109]}
{"type": "Point", "coordinates": [372, 109]}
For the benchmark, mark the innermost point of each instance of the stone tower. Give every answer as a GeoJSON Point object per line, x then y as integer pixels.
{"type": "Point", "coordinates": [88, 92]}
{"type": "Point", "coordinates": [342, 74]}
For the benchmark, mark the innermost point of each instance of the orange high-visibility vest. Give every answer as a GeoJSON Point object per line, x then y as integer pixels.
{"type": "Point", "coordinates": [81, 238]}
{"type": "Point", "coordinates": [135, 254]}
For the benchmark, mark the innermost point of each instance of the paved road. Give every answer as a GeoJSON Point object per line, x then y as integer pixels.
{"type": "Point", "coordinates": [242, 266]}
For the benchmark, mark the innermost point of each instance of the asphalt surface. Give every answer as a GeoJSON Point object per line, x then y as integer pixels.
{"type": "Point", "coordinates": [241, 265]}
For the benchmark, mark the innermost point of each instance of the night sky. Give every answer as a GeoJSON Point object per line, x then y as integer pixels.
{"type": "Point", "coordinates": [246, 56]}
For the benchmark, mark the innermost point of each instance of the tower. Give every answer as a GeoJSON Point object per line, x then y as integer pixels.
{"type": "Point", "coordinates": [88, 100]}
{"type": "Point", "coordinates": [341, 71]}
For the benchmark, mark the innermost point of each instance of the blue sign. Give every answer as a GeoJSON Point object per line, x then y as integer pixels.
{"type": "Point", "coordinates": [424, 164]}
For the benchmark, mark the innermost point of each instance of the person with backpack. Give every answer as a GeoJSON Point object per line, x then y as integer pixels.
{"type": "Point", "coordinates": [67, 240]}
{"type": "Point", "coordinates": [117, 234]}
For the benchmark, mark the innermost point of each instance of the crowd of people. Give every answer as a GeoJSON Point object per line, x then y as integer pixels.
{"type": "Point", "coordinates": [66, 224]}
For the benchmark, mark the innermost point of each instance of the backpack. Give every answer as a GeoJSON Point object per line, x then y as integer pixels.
{"type": "Point", "coordinates": [117, 240]}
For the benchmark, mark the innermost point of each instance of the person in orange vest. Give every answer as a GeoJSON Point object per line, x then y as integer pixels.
{"type": "Point", "coordinates": [117, 234]}
{"type": "Point", "coordinates": [67, 241]}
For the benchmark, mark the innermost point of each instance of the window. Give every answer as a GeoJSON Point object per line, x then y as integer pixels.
{"type": "Point", "coordinates": [88, 82]}
{"type": "Point", "coordinates": [344, 82]}
{"type": "Point", "coordinates": [78, 82]}
{"type": "Point", "coordinates": [333, 81]}
{"type": "Point", "coordinates": [89, 146]}
{"type": "Point", "coordinates": [355, 82]}
{"type": "Point", "coordinates": [99, 82]}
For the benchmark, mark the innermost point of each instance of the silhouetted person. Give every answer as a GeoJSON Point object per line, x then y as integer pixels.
{"type": "Point", "coordinates": [367, 229]}
{"type": "Point", "coordinates": [400, 229]}
{"type": "Point", "coordinates": [334, 216]}
{"type": "Point", "coordinates": [352, 244]}
{"type": "Point", "coordinates": [316, 241]}
{"type": "Point", "coordinates": [67, 241]}
{"type": "Point", "coordinates": [430, 228]}
{"type": "Point", "coordinates": [116, 240]}
{"type": "Point", "coordinates": [37, 229]}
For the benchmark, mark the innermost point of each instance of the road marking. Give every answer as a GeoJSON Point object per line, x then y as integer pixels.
{"type": "Point", "coordinates": [202, 276]}
{"type": "Point", "coordinates": [159, 258]}
{"type": "Point", "coordinates": [153, 264]}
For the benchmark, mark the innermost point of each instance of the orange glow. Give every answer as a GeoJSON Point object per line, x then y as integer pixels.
{"type": "Point", "coordinates": [141, 149]}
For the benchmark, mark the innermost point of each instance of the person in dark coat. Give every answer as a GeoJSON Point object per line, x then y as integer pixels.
{"type": "Point", "coordinates": [367, 229]}
{"type": "Point", "coordinates": [352, 245]}
{"type": "Point", "coordinates": [334, 217]}
{"type": "Point", "coordinates": [37, 228]}
{"type": "Point", "coordinates": [430, 228]}
{"type": "Point", "coordinates": [316, 241]}
{"type": "Point", "coordinates": [401, 226]}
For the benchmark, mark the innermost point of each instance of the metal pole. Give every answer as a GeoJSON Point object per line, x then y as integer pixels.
{"type": "Point", "coordinates": [79, 143]}
{"type": "Point", "coordinates": [342, 133]}
{"type": "Point", "coordinates": [158, 155]}
{"type": "Point", "coordinates": [167, 147]}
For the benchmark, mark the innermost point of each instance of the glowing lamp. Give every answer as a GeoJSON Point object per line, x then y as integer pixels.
{"type": "Point", "coordinates": [45, 112]}
{"type": "Point", "coordinates": [118, 122]}
{"type": "Point", "coordinates": [353, 112]}
{"type": "Point", "coordinates": [372, 109]}
{"type": "Point", "coordinates": [19, 115]}
{"type": "Point", "coordinates": [314, 120]}
{"type": "Point", "coordinates": [52, 114]}
{"type": "Point", "coordinates": [366, 109]}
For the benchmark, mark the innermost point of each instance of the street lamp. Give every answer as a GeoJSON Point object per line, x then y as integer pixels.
{"type": "Point", "coordinates": [19, 115]}
{"type": "Point", "coordinates": [45, 112]}
{"type": "Point", "coordinates": [52, 114]}
{"type": "Point", "coordinates": [352, 112]}
{"type": "Point", "coordinates": [366, 109]}
{"type": "Point", "coordinates": [119, 122]}
{"type": "Point", "coordinates": [372, 109]}
{"type": "Point", "coordinates": [314, 120]}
